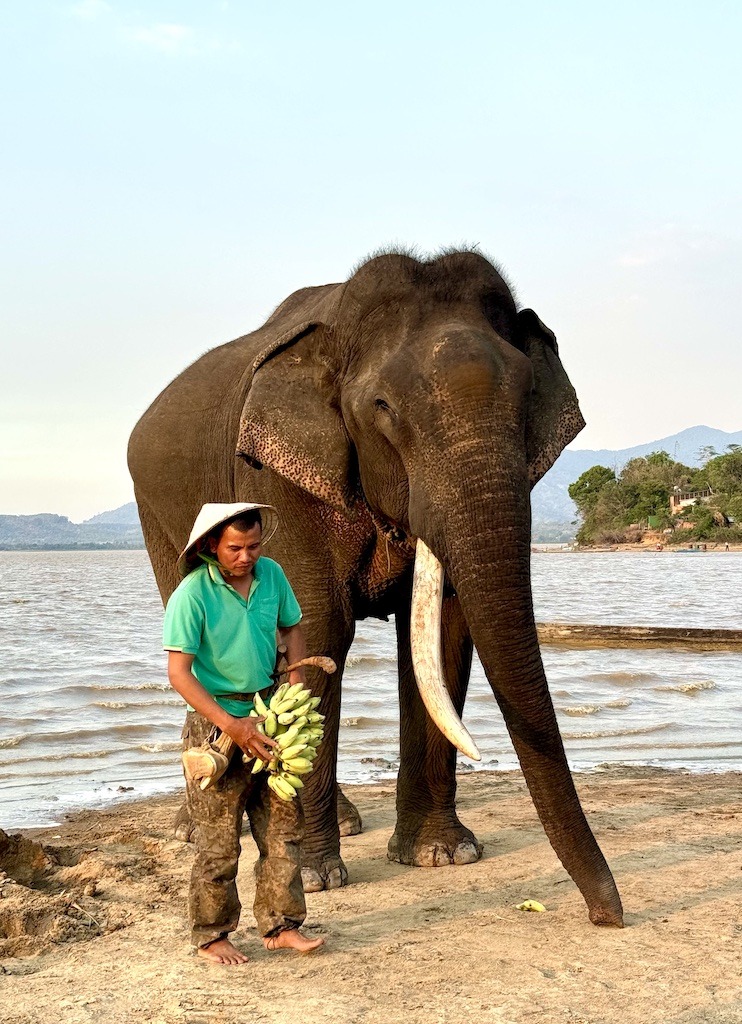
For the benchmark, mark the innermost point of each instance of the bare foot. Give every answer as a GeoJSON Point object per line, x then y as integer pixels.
{"type": "Point", "coordinates": [292, 938]}
{"type": "Point", "coordinates": [222, 952]}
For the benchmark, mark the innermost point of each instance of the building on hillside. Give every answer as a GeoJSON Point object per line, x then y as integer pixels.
{"type": "Point", "coordinates": [681, 499]}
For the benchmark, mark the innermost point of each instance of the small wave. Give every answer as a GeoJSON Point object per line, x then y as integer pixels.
{"type": "Point", "coordinates": [126, 686]}
{"type": "Point", "coordinates": [689, 688]}
{"type": "Point", "coordinates": [622, 678]}
{"type": "Point", "coordinates": [118, 704]}
{"type": "Point", "coordinates": [160, 748]}
{"type": "Point", "coordinates": [361, 722]}
{"type": "Point", "coordinates": [68, 755]}
{"type": "Point", "coordinates": [592, 709]}
{"type": "Point", "coordinates": [618, 734]}
{"type": "Point", "coordinates": [12, 741]}
{"type": "Point", "coordinates": [354, 660]}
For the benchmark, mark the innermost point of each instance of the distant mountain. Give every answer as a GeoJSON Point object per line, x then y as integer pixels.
{"type": "Point", "coordinates": [127, 515]}
{"type": "Point", "coordinates": [116, 529]}
{"type": "Point", "coordinates": [553, 509]}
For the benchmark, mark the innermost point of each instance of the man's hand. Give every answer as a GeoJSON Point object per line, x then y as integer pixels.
{"type": "Point", "coordinates": [245, 734]}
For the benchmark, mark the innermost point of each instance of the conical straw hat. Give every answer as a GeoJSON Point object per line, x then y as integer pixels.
{"type": "Point", "coordinates": [213, 514]}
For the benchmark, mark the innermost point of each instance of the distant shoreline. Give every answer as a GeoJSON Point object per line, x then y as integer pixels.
{"type": "Point", "coordinates": [575, 549]}
{"type": "Point", "coordinates": [73, 547]}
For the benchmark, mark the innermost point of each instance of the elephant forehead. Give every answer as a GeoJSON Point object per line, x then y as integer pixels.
{"type": "Point", "coordinates": [473, 361]}
{"type": "Point", "coordinates": [401, 278]}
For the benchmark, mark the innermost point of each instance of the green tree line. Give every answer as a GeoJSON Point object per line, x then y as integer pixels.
{"type": "Point", "coordinates": [617, 508]}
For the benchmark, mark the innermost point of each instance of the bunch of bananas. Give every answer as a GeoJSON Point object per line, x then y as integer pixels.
{"type": "Point", "coordinates": [291, 719]}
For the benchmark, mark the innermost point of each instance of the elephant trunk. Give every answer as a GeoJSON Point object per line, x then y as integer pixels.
{"type": "Point", "coordinates": [483, 540]}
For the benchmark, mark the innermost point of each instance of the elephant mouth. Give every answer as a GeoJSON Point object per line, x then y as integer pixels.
{"type": "Point", "coordinates": [425, 643]}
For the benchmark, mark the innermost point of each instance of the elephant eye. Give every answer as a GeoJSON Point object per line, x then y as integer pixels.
{"type": "Point", "coordinates": [502, 319]}
{"type": "Point", "coordinates": [381, 404]}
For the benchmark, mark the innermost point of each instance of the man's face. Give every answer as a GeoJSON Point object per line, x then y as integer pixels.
{"type": "Point", "coordinates": [236, 550]}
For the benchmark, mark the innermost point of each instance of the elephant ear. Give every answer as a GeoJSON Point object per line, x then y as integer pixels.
{"type": "Point", "coordinates": [554, 417]}
{"type": "Point", "coordinates": [291, 419]}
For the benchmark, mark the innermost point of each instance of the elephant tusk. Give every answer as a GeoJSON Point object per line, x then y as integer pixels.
{"type": "Point", "coordinates": [425, 643]}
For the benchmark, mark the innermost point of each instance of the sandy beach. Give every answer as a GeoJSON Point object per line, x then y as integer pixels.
{"type": "Point", "coordinates": [98, 931]}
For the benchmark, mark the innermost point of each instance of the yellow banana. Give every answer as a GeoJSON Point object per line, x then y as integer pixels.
{"type": "Point", "coordinates": [271, 724]}
{"type": "Point", "coordinates": [293, 780]}
{"type": "Point", "coordinates": [281, 788]}
{"type": "Point", "coordinates": [258, 766]}
{"type": "Point", "coordinates": [532, 905]}
{"type": "Point", "coordinates": [298, 765]}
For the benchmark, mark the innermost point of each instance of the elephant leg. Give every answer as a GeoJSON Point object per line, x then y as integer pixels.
{"type": "Point", "coordinates": [350, 822]}
{"type": "Point", "coordinates": [328, 632]}
{"type": "Point", "coordinates": [428, 831]}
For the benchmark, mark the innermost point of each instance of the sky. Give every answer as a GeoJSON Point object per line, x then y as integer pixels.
{"type": "Point", "coordinates": [171, 171]}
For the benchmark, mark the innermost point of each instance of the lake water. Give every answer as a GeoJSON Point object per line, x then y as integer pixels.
{"type": "Point", "coordinates": [87, 716]}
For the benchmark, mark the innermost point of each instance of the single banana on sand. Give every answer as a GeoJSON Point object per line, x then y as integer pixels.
{"type": "Point", "coordinates": [532, 905]}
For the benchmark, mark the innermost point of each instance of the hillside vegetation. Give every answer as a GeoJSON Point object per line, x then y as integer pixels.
{"type": "Point", "coordinates": [618, 508]}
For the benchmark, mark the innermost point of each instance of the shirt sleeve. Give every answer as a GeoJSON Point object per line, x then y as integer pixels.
{"type": "Point", "coordinates": [289, 612]}
{"type": "Point", "coordinates": [183, 626]}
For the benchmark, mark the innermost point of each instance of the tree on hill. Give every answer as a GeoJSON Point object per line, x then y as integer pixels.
{"type": "Point", "coordinates": [611, 506]}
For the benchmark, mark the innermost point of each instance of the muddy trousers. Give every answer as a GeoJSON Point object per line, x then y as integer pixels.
{"type": "Point", "coordinates": [277, 827]}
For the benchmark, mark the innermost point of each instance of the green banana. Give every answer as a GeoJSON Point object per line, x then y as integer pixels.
{"type": "Point", "coordinates": [271, 724]}
{"type": "Point", "coordinates": [286, 718]}
{"type": "Point", "coordinates": [278, 696]}
{"type": "Point", "coordinates": [287, 753]}
{"type": "Point", "coordinates": [287, 704]}
{"type": "Point", "coordinates": [303, 709]}
{"type": "Point", "coordinates": [285, 739]}
{"type": "Point", "coordinates": [260, 706]}
{"type": "Point", "coordinates": [293, 780]}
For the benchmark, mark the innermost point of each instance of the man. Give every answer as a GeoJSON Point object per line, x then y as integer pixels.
{"type": "Point", "coordinates": [220, 632]}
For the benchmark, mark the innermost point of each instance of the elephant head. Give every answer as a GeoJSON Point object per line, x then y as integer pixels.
{"type": "Point", "coordinates": [417, 393]}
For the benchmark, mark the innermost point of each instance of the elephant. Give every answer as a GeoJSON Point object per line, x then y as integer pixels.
{"type": "Point", "coordinates": [397, 421]}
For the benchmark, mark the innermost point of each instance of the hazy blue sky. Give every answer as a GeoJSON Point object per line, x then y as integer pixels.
{"type": "Point", "coordinates": [172, 170]}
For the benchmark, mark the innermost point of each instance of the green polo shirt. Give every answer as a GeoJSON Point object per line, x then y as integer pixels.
{"type": "Point", "coordinates": [233, 640]}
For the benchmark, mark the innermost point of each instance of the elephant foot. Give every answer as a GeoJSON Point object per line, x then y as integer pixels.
{"type": "Point", "coordinates": [434, 846]}
{"type": "Point", "coordinates": [349, 818]}
{"type": "Point", "coordinates": [326, 872]}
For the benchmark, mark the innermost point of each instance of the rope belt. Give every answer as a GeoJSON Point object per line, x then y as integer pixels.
{"type": "Point", "coordinates": [248, 697]}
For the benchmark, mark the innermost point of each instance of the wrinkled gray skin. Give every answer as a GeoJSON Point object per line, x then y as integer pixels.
{"type": "Point", "coordinates": [412, 401]}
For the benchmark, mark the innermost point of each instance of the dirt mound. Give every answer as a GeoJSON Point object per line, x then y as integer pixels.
{"type": "Point", "coordinates": [51, 894]}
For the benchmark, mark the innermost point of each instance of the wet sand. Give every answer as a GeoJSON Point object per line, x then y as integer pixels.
{"type": "Point", "coordinates": [100, 934]}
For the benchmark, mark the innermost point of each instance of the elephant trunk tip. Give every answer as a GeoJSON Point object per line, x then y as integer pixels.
{"type": "Point", "coordinates": [608, 914]}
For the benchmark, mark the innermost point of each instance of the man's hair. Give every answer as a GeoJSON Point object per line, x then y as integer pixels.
{"type": "Point", "coordinates": [243, 522]}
